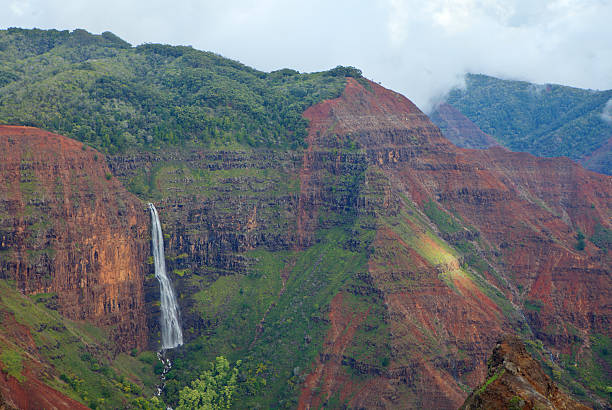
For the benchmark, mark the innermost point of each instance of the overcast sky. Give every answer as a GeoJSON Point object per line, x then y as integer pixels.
{"type": "Point", "coordinates": [420, 48]}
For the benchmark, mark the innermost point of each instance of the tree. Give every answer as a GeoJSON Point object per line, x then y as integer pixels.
{"type": "Point", "coordinates": [580, 238]}
{"type": "Point", "coordinates": [213, 390]}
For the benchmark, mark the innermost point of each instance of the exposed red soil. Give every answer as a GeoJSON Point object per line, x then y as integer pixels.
{"type": "Point", "coordinates": [328, 376]}
{"type": "Point", "coordinates": [526, 209]}
{"type": "Point", "coordinates": [69, 227]}
{"type": "Point", "coordinates": [33, 394]}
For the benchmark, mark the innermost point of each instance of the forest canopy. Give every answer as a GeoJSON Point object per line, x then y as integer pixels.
{"type": "Point", "coordinates": [102, 91]}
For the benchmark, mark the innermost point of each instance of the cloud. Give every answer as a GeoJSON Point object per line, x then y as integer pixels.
{"type": "Point", "coordinates": [606, 113]}
{"type": "Point", "coordinates": [418, 48]}
{"type": "Point", "coordinates": [19, 8]}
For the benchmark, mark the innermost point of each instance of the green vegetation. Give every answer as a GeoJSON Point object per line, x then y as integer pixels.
{"type": "Point", "coordinates": [213, 390]}
{"type": "Point", "coordinates": [593, 371]}
{"type": "Point", "coordinates": [77, 351]}
{"type": "Point", "coordinates": [516, 403]}
{"type": "Point", "coordinates": [100, 90]}
{"type": "Point", "coordinates": [490, 380]}
{"type": "Point", "coordinates": [580, 244]}
{"type": "Point", "coordinates": [274, 316]}
{"type": "Point", "coordinates": [276, 358]}
{"type": "Point", "coordinates": [535, 305]}
{"type": "Point", "coordinates": [582, 373]}
{"type": "Point", "coordinates": [602, 237]}
{"type": "Point", "coordinates": [12, 364]}
{"type": "Point", "coordinates": [546, 120]}
{"type": "Point", "coordinates": [445, 222]}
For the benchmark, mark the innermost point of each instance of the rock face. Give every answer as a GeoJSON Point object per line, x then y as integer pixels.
{"type": "Point", "coordinates": [516, 381]}
{"type": "Point", "coordinates": [458, 244]}
{"type": "Point", "coordinates": [459, 129]}
{"type": "Point", "coordinates": [215, 206]}
{"type": "Point", "coordinates": [68, 227]}
{"type": "Point", "coordinates": [517, 218]}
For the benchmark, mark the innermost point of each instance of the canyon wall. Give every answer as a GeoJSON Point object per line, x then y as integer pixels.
{"type": "Point", "coordinates": [515, 220]}
{"type": "Point", "coordinates": [68, 227]}
{"type": "Point", "coordinates": [450, 248]}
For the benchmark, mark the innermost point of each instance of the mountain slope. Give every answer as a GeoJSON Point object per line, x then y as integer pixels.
{"type": "Point", "coordinates": [365, 270]}
{"type": "Point", "coordinates": [546, 120]}
{"type": "Point", "coordinates": [459, 129]}
{"type": "Point", "coordinates": [370, 264]}
{"type": "Point", "coordinates": [517, 212]}
{"type": "Point", "coordinates": [100, 90]}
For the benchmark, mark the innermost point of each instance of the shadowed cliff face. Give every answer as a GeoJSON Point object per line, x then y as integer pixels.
{"type": "Point", "coordinates": [509, 223]}
{"type": "Point", "coordinates": [68, 227]}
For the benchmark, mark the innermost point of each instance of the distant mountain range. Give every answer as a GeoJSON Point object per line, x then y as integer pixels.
{"type": "Point", "coordinates": [545, 120]}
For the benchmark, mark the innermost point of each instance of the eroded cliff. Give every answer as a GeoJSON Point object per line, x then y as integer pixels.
{"type": "Point", "coordinates": [504, 243]}
{"type": "Point", "coordinates": [68, 227]}
{"type": "Point", "coordinates": [377, 267]}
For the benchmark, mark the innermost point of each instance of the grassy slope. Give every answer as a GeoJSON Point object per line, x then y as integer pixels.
{"type": "Point", "coordinates": [83, 367]}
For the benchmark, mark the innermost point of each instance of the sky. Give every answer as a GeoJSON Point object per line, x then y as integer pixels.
{"type": "Point", "coordinates": [419, 48]}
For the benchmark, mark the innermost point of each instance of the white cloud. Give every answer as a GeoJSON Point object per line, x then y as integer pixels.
{"type": "Point", "coordinates": [419, 48]}
{"type": "Point", "coordinates": [606, 114]}
{"type": "Point", "coordinates": [19, 8]}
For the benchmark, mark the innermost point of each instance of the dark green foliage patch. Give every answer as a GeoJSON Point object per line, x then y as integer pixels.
{"type": "Point", "coordinates": [100, 90]}
{"type": "Point", "coordinates": [547, 120]}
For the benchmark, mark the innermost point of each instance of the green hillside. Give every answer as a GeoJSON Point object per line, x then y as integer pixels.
{"type": "Point", "coordinates": [546, 120]}
{"type": "Point", "coordinates": [100, 90]}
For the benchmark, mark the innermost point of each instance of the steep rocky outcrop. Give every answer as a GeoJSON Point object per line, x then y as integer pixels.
{"type": "Point", "coordinates": [516, 381]}
{"type": "Point", "coordinates": [459, 129]}
{"type": "Point", "coordinates": [68, 227]}
{"type": "Point", "coordinates": [443, 318]}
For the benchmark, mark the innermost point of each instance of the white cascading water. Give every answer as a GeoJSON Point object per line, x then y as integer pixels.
{"type": "Point", "coordinates": [172, 335]}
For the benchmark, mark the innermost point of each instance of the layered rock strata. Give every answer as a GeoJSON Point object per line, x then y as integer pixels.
{"type": "Point", "coordinates": [518, 218]}
{"type": "Point", "coordinates": [67, 226]}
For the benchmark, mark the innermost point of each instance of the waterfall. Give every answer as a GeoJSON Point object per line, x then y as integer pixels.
{"type": "Point", "coordinates": [171, 333]}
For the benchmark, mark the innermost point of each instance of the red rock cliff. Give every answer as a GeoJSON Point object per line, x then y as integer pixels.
{"type": "Point", "coordinates": [521, 215]}
{"type": "Point", "coordinates": [516, 380]}
{"type": "Point", "coordinates": [67, 226]}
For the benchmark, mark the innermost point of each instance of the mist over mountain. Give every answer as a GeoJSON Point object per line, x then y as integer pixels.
{"type": "Point", "coordinates": [547, 120]}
